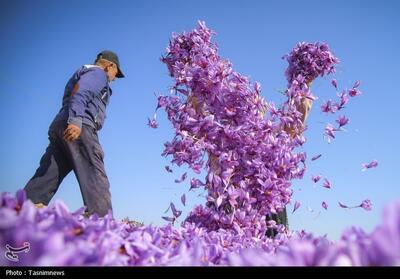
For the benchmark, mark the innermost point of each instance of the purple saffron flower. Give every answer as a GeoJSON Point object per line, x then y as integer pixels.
{"type": "Point", "coordinates": [325, 205]}
{"type": "Point", "coordinates": [183, 177]}
{"type": "Point", "coordinates": [342, 205]}
{"type": "Point", "coordinates": [168, 169]}
{"type": "Point", "coordinates": [152, 123]}
{"type": "Point", "coordinates": [334, 83]}
{"type": "Point", "coordinates": [354, 92]}
{"type": "Point", "coordinates": [162, 102]}
{"type": "Point", "coordinates": [329, 107]}
{"type": "Point", "coordinates": [342, 121]}
{"type": "Point", "coordinates": [297, 204]}
{"type": "Point", "coordinates": [330, 132]}
{"type": "Point", "coordinates": [370, 165]}
{"type": "Point", "coordinates": [175, 212]}
{"type": "Point", "coordinates": [344, 99]}
{"type": "Point", "coordinates": [316, 157]}
{"type": "Point", "coordinates": [169, 219]}
{"type": "Point", "coordinates": [327, 184]}
{"type": "Point", "coordinates": [356, 84]}
{"type": "Point", "coordinates": [195, 183]}
{"type": "Point", "coordinates": [315, 178]}
{"type": "Point", "coordinates": [183, 199]}
{"type": "Point", "coordinates": [366, 204]}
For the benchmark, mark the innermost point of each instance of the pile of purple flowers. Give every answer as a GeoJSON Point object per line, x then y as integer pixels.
{"type": "Point", "coordinates": [56, 237]}
{"type": "Point", "coordinates": [223, 125]}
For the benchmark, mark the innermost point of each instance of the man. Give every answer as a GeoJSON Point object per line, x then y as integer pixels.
{"type": "Point", "coordinates": [281, 216]}
{"type": "Point", "coordinates": [74, 143]}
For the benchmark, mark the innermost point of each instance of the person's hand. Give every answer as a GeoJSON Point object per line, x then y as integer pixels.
{"type": "Point", "coordinates": [305, 108]}
{"type": "Point", "coordinates": [72, 132]}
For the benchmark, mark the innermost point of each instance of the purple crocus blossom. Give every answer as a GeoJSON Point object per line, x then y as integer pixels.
{"type": "Point", "coordinates": [325, 205]}
{"type": "Point", "coordinates": [183, 177]}
{"type": "Point", "coordinates": [175, 212]}
{"type": "Point", "coordinates": [372, 164]}
{"type": "Point", "coordinates": [334, 83]}
{"type": "Point", "coordinates": [343, 99]}
{"type": "Point", "coordinates": [342, 121]}
{"type": "Point", "coordinates": [329, 106]}
{"type": "Point", "coordinates": [354, 92]}
{"type": "Point", "coordinates": [297, 204]}
{"type": "Point", "coordinates": [330, 132]}
{"type": "Point", "coordinates": [152, 123]}
{"type": "Point", "coordinates": [183, 199]}
{"type": "Point", "coordinates": [315, 178]}
{"type": "Point", "coordinates": [58, 237]}
{"type": "Point", "coordinates": [316, 157]}
{"type": "Point", "coordinates": [342, 205]}
{"type": "Point", "coordinates": [327, 184]}
{"type": "Point", "coordinates": [168, 169]}
{"type": "Point", "coordinates": [366, 204]}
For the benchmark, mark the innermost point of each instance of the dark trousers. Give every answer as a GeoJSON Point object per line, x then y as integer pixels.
{"type": "Point", "coordinates": [280, 218]}
{"type": "Point", "coordinates": [85, 157]}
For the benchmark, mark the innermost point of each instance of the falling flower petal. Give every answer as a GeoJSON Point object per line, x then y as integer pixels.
{"type": "Point", "coordinates": [315, 178]}
{"type": "Point", "coordinates": [183, 199]}
{"type": "Point", "coordinates": [354, 92]}
{"type": "Point", "coordinates": [169, 219]}
{"type": "Point", "coordinates": [325, 205]}
{"type": "Point", "coordinates": [195, 183]}
{"type": "Point", "coordinates": [370, 165]}
{"type": "Point", "coordinates": [334, 83]}
{"type": "Point", "coordinates": [343, 205]}
{"type": "Point", "coordinates": [183, 177]}
{"type": "Point", "coordinates": [327, 184]}
{"type": "Point", "coordinates": [175, 212]}
{"type": "Point", "coordinates": [296, 206]}
{"type": "Point", "coordinates": [342, 121]}
{"type": "Point", "coordinates": [168, 169]}
{"type": "Point", "coordinates": [330, 132]}
{"type": "Point", "coordinates": [316, 157]}
{"type": "Point", "coordinates": [152, 123]}
{"type": "Point", "coordinates": [366, 204]}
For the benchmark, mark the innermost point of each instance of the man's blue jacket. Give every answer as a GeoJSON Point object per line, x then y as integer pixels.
{"type": "Point", "coordinates": [86, 97]}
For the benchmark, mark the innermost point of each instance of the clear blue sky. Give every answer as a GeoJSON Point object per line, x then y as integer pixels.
{"type": "Point", "coordinates": [44, 42]}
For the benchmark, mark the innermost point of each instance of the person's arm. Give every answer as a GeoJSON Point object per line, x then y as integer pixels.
{"type": "Point", "coordinates": [89, 84]}
{"type": "Point", "coordinates": [304, 108]}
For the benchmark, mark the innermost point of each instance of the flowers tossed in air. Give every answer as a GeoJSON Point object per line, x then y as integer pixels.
{"type": "Point", "coordinates": [325, 205]}
{"type": "Point", "coordinates": [365, 204]}
{"type": "Point", "coordinates": [309, 61]}
{"type": "Point", "coordinates": [372, 164]}
{"type": "Point", "coordinates": [224, 126]}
